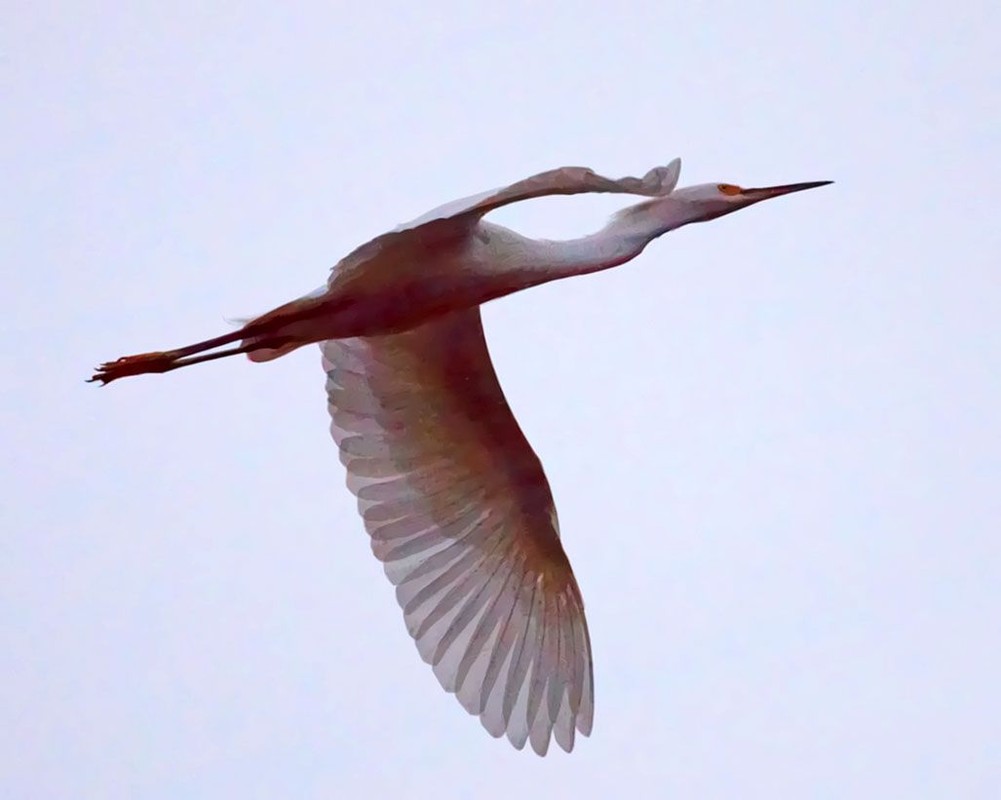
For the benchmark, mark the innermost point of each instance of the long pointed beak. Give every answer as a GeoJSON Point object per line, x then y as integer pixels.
{"type": "Point", "coordinates": [768, 192]}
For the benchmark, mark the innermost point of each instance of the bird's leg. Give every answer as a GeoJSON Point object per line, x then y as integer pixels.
{"type": "Point", "coordinates": [166, 360]}
{"type": "Point", "coordinates": [263, 333]}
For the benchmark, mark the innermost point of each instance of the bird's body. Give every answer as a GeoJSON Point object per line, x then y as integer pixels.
{"type": "Point", "coordinates": [451, 259]}
{"type": "Point", "coordinates": [387, 290]}
{"type": "Point", "coordinates": [454, 498]}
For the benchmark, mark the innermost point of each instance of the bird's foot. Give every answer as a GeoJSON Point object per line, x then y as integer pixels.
{"type": "Point", "coordinates": [134, 365]}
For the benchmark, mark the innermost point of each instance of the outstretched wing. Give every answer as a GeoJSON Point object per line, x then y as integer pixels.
{"type": "Point", "coordinates": [462, 517]}
{"type": "Point", "coordinates": [455, 218]}
{"type": "Point", "coordinates": [565, 180]}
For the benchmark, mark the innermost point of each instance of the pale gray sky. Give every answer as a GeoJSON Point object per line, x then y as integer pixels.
{"type": "Point", "coordinates": [773, 440]}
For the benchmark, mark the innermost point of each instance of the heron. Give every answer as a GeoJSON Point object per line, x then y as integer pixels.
{"type": "Point", "coordinates": [452, 495]}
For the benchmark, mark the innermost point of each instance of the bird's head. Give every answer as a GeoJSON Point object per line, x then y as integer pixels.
{"type": "Point", "coordinates": [651, 218]}
{"type": "Point", "coordinates": [711, 200]}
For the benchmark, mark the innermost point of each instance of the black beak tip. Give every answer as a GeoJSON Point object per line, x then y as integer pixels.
{"type": "Point", "coordinates": [799, 187]}
{"type": "Point", "coordinates": [788, 188]}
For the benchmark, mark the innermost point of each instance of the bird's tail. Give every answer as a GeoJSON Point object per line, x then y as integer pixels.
{"type": "Point", "coordinates": [265, 353]}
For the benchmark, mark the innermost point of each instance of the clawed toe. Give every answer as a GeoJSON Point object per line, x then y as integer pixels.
{"type": "Point", "coordinates": [133, 365]}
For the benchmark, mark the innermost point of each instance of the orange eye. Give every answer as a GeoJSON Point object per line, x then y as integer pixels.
{"type": "Point", "coordinates": [729, 189]}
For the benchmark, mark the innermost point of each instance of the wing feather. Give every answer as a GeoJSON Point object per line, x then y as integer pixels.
{"type": "Point", "coordinates": [563, 180]}
{"type": "Point", "coordinates": [461, 515]}
{"type": "Point", "coordinates": [457, 217]}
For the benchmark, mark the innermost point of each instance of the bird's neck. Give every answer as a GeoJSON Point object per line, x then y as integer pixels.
{"type": "Point", "coordinates": [621, 240]}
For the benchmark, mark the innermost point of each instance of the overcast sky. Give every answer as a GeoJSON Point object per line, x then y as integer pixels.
{"type": "Point", "coordinates": [773, 439]}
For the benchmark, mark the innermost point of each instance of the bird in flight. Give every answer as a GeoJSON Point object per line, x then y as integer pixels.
{"type": "Point", "coordinates": [454, 499]}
